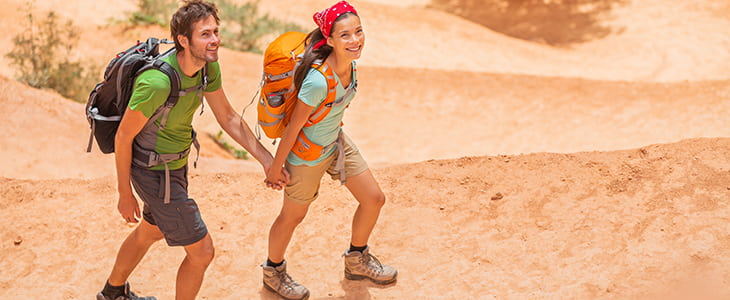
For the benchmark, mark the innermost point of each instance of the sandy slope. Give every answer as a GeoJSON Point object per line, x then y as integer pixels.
{"type": "Point", "coordinates": [444, 111]}
{"type": "Point", "coordinates": [594, 225]}
{"type": "Point", "coordinates": [650, 40]}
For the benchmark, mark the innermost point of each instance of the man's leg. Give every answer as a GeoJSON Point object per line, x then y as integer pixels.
{"type": "Point", "coordinates": [133, 250]}
{"type": "Point", "coordinates": [192, 270]}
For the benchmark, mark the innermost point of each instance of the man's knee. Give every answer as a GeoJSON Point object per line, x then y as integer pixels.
{"type": "Point", "coordinates": [147, 233]}
{"type": "Point", "coordinates": [201, 252]}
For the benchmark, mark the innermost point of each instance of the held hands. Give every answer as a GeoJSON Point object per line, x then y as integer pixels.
{"type": "Point", "coordinates": [276, 175]}
{"type": "Point", "coordinates": [276, 178]}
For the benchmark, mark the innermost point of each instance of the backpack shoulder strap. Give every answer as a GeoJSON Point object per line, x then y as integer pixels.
{"type": "Point", "coordinates": [174, 95]}
{"type": "Point", "coordinates": [326, 106]}
{"type": "Point", "coordinates": [199, 88]}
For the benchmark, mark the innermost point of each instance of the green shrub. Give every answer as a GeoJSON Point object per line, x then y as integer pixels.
{"type": "Point", "coordinates": [237, 153]}
{"type": "Point", "coordinates": [243, 28]}
{"type": "Point", "coordinates": [41, 56]}
{"type": "Point", "coordinates": [153, 12]}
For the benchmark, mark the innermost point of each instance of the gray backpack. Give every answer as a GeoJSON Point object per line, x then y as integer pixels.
{"type": "Point", "coordinates": [109, 99]}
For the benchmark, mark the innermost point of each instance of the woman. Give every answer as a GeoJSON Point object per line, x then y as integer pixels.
{"type": "Point", "coordinates": [334, 45]}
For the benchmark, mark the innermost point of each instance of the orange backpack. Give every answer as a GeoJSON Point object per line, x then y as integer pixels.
{"type": "Point", "coordinates": [277, 99]}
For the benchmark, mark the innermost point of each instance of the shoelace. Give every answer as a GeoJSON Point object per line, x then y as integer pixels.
{"type": "Point", "coordinates": [366, 259]}
{"type": "Point", "coordinates": [286, 280]}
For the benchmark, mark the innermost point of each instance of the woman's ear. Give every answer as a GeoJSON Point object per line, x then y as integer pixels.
{"type": "Point", "coordinates": [330, 42]}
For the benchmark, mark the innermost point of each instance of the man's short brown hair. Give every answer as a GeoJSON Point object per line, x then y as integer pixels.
{"type": "Point", "coordinates": [192, 11]}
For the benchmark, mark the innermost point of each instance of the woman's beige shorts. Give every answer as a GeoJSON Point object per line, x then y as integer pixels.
{"type": "Point", "coordinates": [304, 183]}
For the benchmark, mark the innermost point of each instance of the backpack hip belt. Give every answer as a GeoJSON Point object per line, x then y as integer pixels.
{"type": "Point", "coordinates": [144, 158]}
{"type": "Point", "coordinates": [307, 150]}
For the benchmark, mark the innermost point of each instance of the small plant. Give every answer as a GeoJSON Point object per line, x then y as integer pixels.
{"type": "Point", "coordinates": [153, 12]}
{"type": "Point", "coordinates": [41, 55]}
{"type": "Point", "coordinates": [243, 28]}
{"type": "Point", "coordinates": [237, 153]}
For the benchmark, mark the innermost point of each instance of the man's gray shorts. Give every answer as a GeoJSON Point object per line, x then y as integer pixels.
{"type": "Point", "coordinates": [179, 220]}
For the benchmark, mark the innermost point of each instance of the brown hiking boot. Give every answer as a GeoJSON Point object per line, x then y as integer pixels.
{"type": "Point", "coordinates": [277, 280]}
{"type": "Point", "coordinates": [362, 265]}
{"type": "Point", "coordinates": [128, 295]}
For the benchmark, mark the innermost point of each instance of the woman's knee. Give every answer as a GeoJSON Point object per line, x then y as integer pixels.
{"type": "Point", "coordinates": [290, 220]}
{"type": "Point", "coordinates": [292, 213]}
{"type": "Point", "coordinates": [376, 200]}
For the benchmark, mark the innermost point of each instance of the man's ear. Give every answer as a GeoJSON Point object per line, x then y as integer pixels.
{"type": "Point", "coordinates": [183, 41]}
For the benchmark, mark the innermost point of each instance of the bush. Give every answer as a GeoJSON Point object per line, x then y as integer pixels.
{"type": "Point", "coordinates": [157, 12]}
{"type": "Point", "coordinates": [243, 27]}
{"type": "Point", "coordinates": [41, 56]}
{"type": "Point", "coordinates": [236, 152]}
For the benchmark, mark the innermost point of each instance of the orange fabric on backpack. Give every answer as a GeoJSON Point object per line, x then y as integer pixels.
{"type": "Point", "coordinates": [278, 98]}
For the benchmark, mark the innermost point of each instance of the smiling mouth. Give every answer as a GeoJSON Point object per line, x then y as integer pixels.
{"type": "Point", "coordinates": [354, 49]}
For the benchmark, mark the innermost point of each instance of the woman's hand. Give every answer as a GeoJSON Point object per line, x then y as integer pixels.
{"type": "Point", "coordinates": [277, 178]}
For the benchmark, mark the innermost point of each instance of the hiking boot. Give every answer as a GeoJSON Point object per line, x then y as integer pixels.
{"type": "Point", "coordinates": [277, 280]}
{"type": "Point", "coordinates": [362, 265]}
{"type": "Point", "coordinates": [128, 295]}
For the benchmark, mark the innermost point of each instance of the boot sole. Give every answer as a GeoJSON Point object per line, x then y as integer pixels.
{"type": "Point", "coordinates": [305, 297]}
{"type": "Point", "coordinates": [351, 276]}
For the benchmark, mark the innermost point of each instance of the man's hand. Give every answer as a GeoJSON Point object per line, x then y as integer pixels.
{"type": "Point", "coordinates": [129, 208]}
{"type": "Point", "coordinates": [276, 178]}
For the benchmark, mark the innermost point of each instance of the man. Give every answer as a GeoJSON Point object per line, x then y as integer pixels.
{"type": "Point", "coordinates": [168, 212]}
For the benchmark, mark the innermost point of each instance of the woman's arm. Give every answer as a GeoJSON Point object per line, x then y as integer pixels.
{"type": "Point", "coordinates": [299, 117]}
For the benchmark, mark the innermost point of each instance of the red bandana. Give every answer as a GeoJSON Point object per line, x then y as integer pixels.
{"type": "Point", "coordinates": [326, 18]}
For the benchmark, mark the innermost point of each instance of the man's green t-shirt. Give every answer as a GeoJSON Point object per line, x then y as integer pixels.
{"type": "Point", "coordinates": [151, 89]}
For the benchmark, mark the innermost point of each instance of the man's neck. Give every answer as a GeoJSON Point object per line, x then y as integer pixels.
{"type": "Point", "coordinates": [188, 64]}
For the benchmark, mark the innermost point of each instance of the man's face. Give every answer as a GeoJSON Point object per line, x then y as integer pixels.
{"type": "Point", "coordinates": [205, 40]}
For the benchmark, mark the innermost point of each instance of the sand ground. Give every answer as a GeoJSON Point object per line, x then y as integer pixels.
{"type": "Point", "coordinates": [519, 160]}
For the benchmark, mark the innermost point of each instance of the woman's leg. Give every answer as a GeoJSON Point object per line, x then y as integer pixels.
{"type": "Point", "coordinates": [366, 190]}
{"type": "Point", "coordinates": [281, 231]}
{"type": "Point", "coordinates": [360, 264]}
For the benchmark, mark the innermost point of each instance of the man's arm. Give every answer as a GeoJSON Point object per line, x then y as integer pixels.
{"type": "Point", "coordinates": [131, 124]}
{"type": "Point", "coordinates": [238, 129]}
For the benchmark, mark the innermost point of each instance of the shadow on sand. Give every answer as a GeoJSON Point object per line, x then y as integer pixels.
{"type": "Point", "coordinates": [559, 23]}
{"type": "Point", "coordinates": [354, 290]}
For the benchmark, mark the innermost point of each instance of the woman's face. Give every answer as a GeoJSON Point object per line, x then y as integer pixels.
{"type": "Point", "coordinates": [347, 37]}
